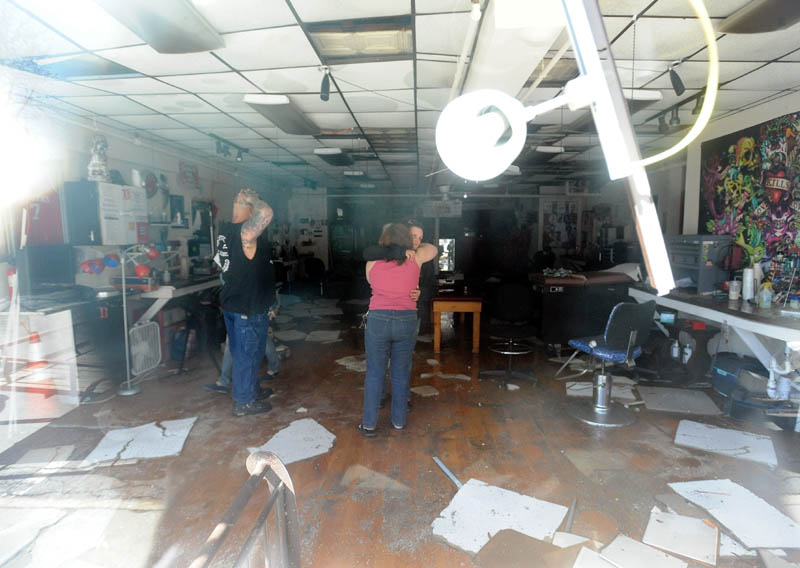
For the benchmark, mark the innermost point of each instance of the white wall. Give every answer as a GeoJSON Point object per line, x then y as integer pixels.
{"type": "Point", "coordinates": [721, 127]}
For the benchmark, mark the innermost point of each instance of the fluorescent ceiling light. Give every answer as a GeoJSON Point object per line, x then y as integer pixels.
{"type": "Point", "coordinates": [279, 110]}
{"type": "Point", "coordinates": [366, 185]}
{"type": "Point", "coordinates": [346, 40]}
{"type": "Point", "coordinates": [642, 94]}
{"type": "Point", "coordinates": [334, 156]}
{"type": "Point", "coordinates": [353, 173]}
{"type": "Point", "coordinates": [168, 26]}
{"type": "Point", "coordinates": [550, 149]}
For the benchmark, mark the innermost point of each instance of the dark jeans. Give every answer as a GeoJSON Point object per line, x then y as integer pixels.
{"type": "Point", "coordinates": [390, 335]}
{"type": "Point", "coordinates": [247, 336]}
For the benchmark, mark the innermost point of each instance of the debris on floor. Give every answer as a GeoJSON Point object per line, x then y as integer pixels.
{"type": "Point", "coordinates": [729, 547]}
{"type": "Point", "coordinates": [458, 376]}
{"type": "Point", "coordinates": [689, 537]}
{"type": "Point", "coordinates": [772, 561]}
{"type": "Point", "coordinates": [357, 363]}
{"type": "Point", "coordinates": [512, 387]}
{"type": "Point", "coordinates": [625, 552]}
{"type": "Point", "coordinates": [425, 338]}
{"type": "Point", "coordinates": [290, 335]}
{"type": "Point", "coordinates": [756, 523]}
{"type": "Point", "coordinates": [584, 389]}
{"type": "Point", "coordinates": [425, 390]}
{"type": "Point", "coordinates": [301, 410]}
{"type": "Point", "coordinates": [323, 335]}
{"type": "Point", "coordinates": [479, 511]}
{"type": "Point", "coordinates": [364, 478]}
{"type": "Point", "coordinates": [153, 440]}
{"type": "Point", "coordinates": [678, 400]}
{"type": "Point", "coordinates": [302, 439]}
{"type": "Point", "coordinates": [511, 548]}
{"type": "Point", "coordinates": [564, 540]}
{"type": "Point", "coordinates": [588, 558]}
{"type": "Point", "coordinates": [432, 362]}
{"type": "Point", "coordinates": [733, 443]}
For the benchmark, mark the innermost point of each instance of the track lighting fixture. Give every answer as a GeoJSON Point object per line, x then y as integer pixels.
{"type": "Point", "coordinates": [325, 88]}
{"type": "Point", "coordinates": [239, 156]}
{"type": "Point", "coordinates": [223, 148]}
{"type": "Point", "coordinates": [662, 125]}
{"type": "Point", "coordinates": [674, 78]}
{"type": "Point", "coordinates": [674, 119]}
{"type": "Point", "coordinates": [698, 104]}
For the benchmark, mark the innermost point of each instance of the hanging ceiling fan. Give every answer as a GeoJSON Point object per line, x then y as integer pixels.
{"type": "Point", "coordinates": [761, 16]}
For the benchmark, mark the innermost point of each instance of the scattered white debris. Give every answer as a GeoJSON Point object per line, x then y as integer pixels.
{"type": "Point", "coordinates": [323, 335]}
{"type": "Point", "coordinates": [479, 511]}
{"type": "Point", "coordinates": [432, 362]}
{"type": "Point", "coordinates": [301, 410]}
{"type": "Point", "coordinates": [625, 552]}
{"type": "Point", "coordinates": [686, 536]}
{"type": "Point", "coordinates": [425, 390]}
{"type": "Point", "coordinates": [357, 363]}
{"type": "Point", "coordinates": [564, 539]}
{"type": "Point", "coordinates": [302, 439]}
{"type": "Point", "coordinates": [425, 338]}
{"type": "Point", "coordinates": [730, 547]}
{"type": "Point", "coordinates": [734, 443]}
{"type": "Point", "coordinates": [588, 558]}
{"type": "Point", "coordinates": [512, 387]}
{"type": "Point", "coordinates": [153, 440]}
{"type": "Point", "coordinates": [459, 376]}
{"type": "Point", "coordinates": [678, 400]}
{"type": "Point", "coordinates": [756, 523]}
{"type": "Point", "coordinates": [428, 375]}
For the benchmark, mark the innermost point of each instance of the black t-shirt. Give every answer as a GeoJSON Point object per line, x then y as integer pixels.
{"type": "Point", "coordinates": [249, 284]}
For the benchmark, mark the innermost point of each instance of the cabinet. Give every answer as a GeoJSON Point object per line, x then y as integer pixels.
{"type": "Point", "coordinates": [98, 213]}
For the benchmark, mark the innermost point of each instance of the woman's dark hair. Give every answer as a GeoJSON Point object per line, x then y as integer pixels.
{"type": "Point", "coordinates": [396, 234]}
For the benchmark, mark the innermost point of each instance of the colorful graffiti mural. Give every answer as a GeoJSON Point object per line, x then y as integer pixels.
{"type": "Point", "coordinates": [750, 187]}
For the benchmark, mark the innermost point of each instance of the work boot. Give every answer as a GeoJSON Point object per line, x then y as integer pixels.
{"type": "Point", "coordinates": [255, 407]}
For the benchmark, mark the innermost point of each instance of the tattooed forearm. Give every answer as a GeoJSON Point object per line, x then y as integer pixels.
{"type": "Point", "coordinates": [258, 221]}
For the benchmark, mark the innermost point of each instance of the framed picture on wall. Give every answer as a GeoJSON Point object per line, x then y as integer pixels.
{"type": "Point", "coordinates": [177, 213]}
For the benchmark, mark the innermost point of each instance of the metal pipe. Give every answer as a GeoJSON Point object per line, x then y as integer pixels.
{"type": "Point", "coordinates": [447, 472]}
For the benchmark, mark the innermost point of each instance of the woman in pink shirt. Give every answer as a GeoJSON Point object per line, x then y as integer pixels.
{"type": "Point", "coordinates": [391, 325]}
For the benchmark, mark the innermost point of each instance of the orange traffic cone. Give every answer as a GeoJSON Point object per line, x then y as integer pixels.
{"type": "Point", "coordinates": [35, 358]}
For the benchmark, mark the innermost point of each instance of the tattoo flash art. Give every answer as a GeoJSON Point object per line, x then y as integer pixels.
{"type": "Point", "coordinates": [750, 188]}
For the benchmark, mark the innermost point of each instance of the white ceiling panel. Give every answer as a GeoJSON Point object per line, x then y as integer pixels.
{"type": "Point", "coordinates": [23, 36]}
{"type": "Point", "coordinates": [753, 47]}
{"type": "Point", "coordinates": [670, 98]}
{"type": "Point", "coordinates": [206, 120]}
{"type": "Point", "coordinates": [436, 6]}
{"type": "Point", "coordinates": [82, 21]}
{"type": "Point", "coordinates": [312, 103]}
{"type": "Point", "coordinates": [716, 8]}
{"type": "Point", "coordinates": [294, 80]}
{"type": "Point", "coordinates": [432, 99]}
{"type": "Point", "coordinates": [427, 119]}
{"type": "Point", "coordinates": [227, 103]}
{"type": "Point", "coordinates": [24, 82]}
{"type": "Point", "coordinates": [385, 119]}
{"type": "Point", "coordinates": [316, 11]}
{"type": "Point", "coordinates": [332, 120]}
{"type": "Point", "coordinates": [174, 104]}
{"type": "Point", "coordinates": [442, 33]}
{"type": "Point", "coordinates": [132, 86]}
{"type": "Point", "coordinates": [259, 49]}
{"type": "Point", "coordinates": [240, 132]}
{"type": "Point", "coordinates": [381, 101]}
{"type": "Point", "coordinates": [377, 76]}
{"type": "Point", "coordinates": [775, 76]}
{"type": "Point", "coordinates": [181, 134]}
{"type": "Point", "coordinates": [240, 15]}
{"type": "Point", "coordinates": [433, 74]}
{"type": "Point", "coordinates": [694, 74]}
{"type": "Point", "coordinates": [149, 121]}
{"type": "Point", "coordinates": [109, 105]}
{"type": "Point", "coordinates": [731, 100]}
{"type": "Point", "coordinates": [660, 39]}
{"type": "Point", "coordinates": [146, 60]}
{"type": "Point", "coordinates": [252, 118]}
{"type": "Point", "coordinates": [212, 83]}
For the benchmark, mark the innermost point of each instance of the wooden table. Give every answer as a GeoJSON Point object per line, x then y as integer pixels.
{"type": "Point", "coordinates": [461, 305]}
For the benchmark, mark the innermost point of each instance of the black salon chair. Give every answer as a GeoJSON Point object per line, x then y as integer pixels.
{"type": "Point", "coordinates": [621, 344]}
{"type": "Point", "coordinates": [512, 307]}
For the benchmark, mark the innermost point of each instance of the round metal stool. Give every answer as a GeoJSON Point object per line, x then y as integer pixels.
{"type": "Point", "coordinates": [510, 348]}
{"type": "Point", "coordinates": [602, 411]}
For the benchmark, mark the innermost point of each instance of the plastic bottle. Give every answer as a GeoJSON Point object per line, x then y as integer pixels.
{"type": "Point", "coordinates": [765, 296]}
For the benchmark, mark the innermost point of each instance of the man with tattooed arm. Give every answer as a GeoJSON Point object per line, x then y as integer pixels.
{"type": "Point", "coordinates": [247, 293]}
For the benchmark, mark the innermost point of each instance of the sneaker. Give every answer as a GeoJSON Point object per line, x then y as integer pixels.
{"type": "Point", "coordinates": [396, 427]}
{"type": "Point", "coordinates": [264, 394]}
{"type": "Point", "coordinates": [217, 387]}
{"type": "Point", "coordinates": [367, 432]}
{"type": "Point", "coordinates": [255, 407]}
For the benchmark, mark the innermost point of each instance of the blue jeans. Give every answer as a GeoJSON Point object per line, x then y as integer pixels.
{"type": "Point", "coordinates": [247, 337]}
{"type": "Point", "coordinates": [390, 335]}
{"type": "Point", "coordinates": [273, 362]}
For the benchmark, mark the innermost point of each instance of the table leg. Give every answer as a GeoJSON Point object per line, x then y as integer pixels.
{"type": "Point", "coordinates": [437, 331]}
{"type": "Point", "coordinates": [476, 332]}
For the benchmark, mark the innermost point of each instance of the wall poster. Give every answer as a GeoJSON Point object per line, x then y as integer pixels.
{"type": "Point", "coordinates": [750, 187]}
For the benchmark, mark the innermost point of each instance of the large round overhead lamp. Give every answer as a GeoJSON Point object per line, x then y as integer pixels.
{"type": "Point", "coordinates": [479, 134]}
